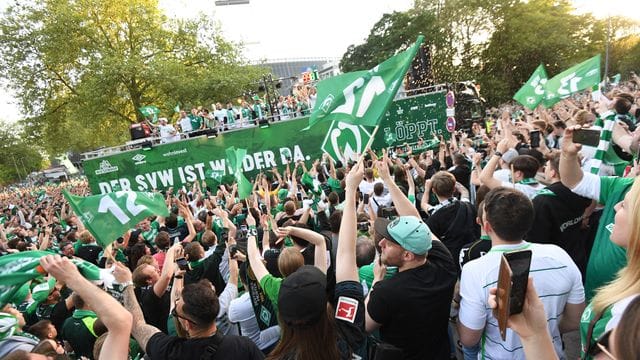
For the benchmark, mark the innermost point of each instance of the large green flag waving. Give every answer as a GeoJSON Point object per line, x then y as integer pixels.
{"type": "Point", "coordinates": [235, 157]}
{"type": "Point", "coordinates": [532, 92]}
{"type": "Point", "coordinates": [19, 268]}
{"type": "Point", "coordinates": [362, 97]}
{"type": "Point", "coordinates": [109, 216]}
{"type": "Point", "coordinates": [150, 111]}
{"type": "Point", "coordinates": [577, 78]}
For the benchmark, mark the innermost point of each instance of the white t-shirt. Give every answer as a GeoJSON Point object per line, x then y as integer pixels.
{"type": "Point", "coordinates": [366, 187]}
{"type": "Point", "coordinates": [167, 133]}
{"type": "Point", "coordinates": [557, 281]}
{"type": "Point", "coordinates": [529, 190]}
{"type": "Point", "coordinates": [241, 311]}
{"type": "Point", "coordinates": [503, 175]}
{"type": "Point", "coordinates": [185, 124]}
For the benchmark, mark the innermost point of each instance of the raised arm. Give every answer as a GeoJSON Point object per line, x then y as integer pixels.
{"type": "Point", "coordinates": [486, 176]}
{"type": "Point", "coordinates": [320, 255]}
{"type": "Point", "coordinates": [569, 162]}
{"type": "Point", "coordinates": [110, 312]}
{"type": "Point", "coordinates": [346, 269]}
{"type": "Point", "coordinates": [140, 330]}
{"type": "Point", "coordinates": [255, 259]}
{"type": "Point", "coordinates": [403, 206]}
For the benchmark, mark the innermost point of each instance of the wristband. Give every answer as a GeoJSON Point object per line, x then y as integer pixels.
{"type": "Point", "coordinates": [125, 285]}
{"type": "Point", "coordinates": [497, 153]}
{"type": "Point", "coordinates": [253, 231]}
{"type": "Point", "coordinates": [178, 276]}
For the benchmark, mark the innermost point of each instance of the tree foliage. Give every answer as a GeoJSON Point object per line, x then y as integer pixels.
{"type": "Point", "coordinates": [18, 157]}
{"type": "Point", "coordinates": [500, 42]}
{"type": "Point", "coordinates": [82, 68]}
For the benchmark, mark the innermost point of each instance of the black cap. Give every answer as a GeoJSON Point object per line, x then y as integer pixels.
{"type": "Point", "coordinates": [302, 298]}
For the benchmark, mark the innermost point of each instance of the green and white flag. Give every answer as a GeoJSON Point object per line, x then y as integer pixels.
{"type": "Point", "coordinates": [20, 268]}
{"type": "Point", "coordinates": [532, 92]}
{"type": "Point", "coordinates": [616, 79]}
{"type": "Point", "coordinates": [362, 97]}
{"type": "Point", "coordinates": [150, 111]}
{"type": "Point", "coordinates": [177, 108]}
{"type": "Point", "coordinates": [108, 216]}
{"type": "Point", "coordinates": [235, 158]}
{"type": "Point", "coordinates": [577, 78]}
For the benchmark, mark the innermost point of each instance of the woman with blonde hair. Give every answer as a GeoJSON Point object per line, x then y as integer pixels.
{"type": "Point", "coordinates": [606, 308]}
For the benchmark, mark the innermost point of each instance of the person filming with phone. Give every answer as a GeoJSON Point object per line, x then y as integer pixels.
{"type": "Point", "coordinates": [508, 215]}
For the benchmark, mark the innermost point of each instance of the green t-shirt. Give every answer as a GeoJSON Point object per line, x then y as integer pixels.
{"type": "Point", "coordinates": [196, 122]}
{"type": "Point", "coordinates": [150, 235]}
{"type": "Point", "coordinates": [334, 184]}
{"type": "Point", "coordinates": [606, 257]}
{"type": "Point", "coordinates": [365, 273]}
{"type": "Point", "coordinates": [613, 312]}
{"type": "Point", "coordinates": [271, 286]}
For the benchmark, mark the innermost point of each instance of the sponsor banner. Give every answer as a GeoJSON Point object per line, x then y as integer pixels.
{"type": "Point", "coordinates": [184, 162]}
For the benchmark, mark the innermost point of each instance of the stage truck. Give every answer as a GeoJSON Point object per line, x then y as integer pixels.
{"type": "Point", "coordinates": [145, 165]}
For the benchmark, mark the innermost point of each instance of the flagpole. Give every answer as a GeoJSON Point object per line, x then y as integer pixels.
{"type": "Point", "coordinates": [369, 143]}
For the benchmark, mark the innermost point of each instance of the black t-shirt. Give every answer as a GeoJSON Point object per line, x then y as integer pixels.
{"type": "Point", "coordinates": [155, 309]}
{"type": "Point", "coordinates": [454, 226]}
{"type": "Point", "coordinates": [181, 232]}
{"type": "Point", "coordinates": [558, 220]}
{"type": "Point", "coordinates": [474, 250]}
{"type": "Point", "coordinates": [413, 306]}
{"type": "Point", "coordinates": [89, 253]}
{"type": "Point", "coordinates": [162, 346]}
{"type": "Point", "coordinates": [208, 268]}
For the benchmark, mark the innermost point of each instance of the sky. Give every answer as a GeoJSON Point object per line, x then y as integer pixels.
{"type": "Point", "coordinates": [277, 29]}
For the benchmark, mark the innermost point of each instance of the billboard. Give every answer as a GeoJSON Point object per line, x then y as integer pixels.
{"type": "Point", "coordinates": [184, 162]}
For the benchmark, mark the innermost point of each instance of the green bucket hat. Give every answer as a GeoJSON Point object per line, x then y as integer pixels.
{"type": "Point", "coordinates": [40, 291]}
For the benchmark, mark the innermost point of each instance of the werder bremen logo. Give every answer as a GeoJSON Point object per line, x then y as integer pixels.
{"type": "Point", "coordinates": [106, 167]}
{"type": "Point", "coordinates": [87, 217]}
{"type": "Point", "coordinates": [326, 105]}
{"type": "Point", "coordinates": [345, 141]}
{"type": "Point", "coordinates": [139, 159]}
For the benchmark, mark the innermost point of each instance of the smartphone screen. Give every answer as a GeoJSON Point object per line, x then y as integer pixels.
{"type": "Point", "coordinates": [535, 138]}
{"type": "Point", "coordinates": [589, 137]}
{"type": "Point", "coordinates": [365, 198]}
{"type": "Point", "coordinates": [299, 196]}
{"type": "Point", "coordinates": [519, 262]}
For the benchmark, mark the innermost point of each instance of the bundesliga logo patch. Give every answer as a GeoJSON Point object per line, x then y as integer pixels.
{"type": "Point", "coordinates": [346, 309]}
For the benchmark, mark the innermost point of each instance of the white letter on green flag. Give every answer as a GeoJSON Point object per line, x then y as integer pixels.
{"type": "Point", "coordinates": [532, 92]}
{"type": "Point", "coordinates": [362, 97]}
{"type": "Point", "coordinates": [577, 78]}
{"type": "Point", "coordinates": [109, 216]}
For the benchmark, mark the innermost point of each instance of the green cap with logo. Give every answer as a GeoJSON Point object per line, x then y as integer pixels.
{"type": "Point", "coordinates": [411, 233]}
{"type": "Point", "coordinates": [40, 291]}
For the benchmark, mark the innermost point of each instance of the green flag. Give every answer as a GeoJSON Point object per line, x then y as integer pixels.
{"type": "Point", "coordinates": [108, 216]}
{"type": "Point", "coordinates": [19, 268]}
{"type": "Point", "coordinates": [532, 92]}
{"type": "Point", "coordinates": [215, 175]}
{"type": "Point", "coordinates": [150, 111]}
{"type": "Point", "coordinates": [616, 79]}
{"type": "Point", "coordinates": [177, 108]}
{"type": "Point", "coordinates": [577, 78]}
{"type": "Point", "coordinates": [235, 158]}
{"type": "Point", "coordinates": [362, 97]}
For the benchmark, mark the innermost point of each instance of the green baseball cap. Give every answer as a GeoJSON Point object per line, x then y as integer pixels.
{"type": "Point", "coordinates": [40, 292]}
{"type": "Point", "coordinates": [411, 233]}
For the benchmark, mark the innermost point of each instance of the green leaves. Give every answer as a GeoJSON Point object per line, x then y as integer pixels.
{"type": "Point", "coordinates": [86, 67]}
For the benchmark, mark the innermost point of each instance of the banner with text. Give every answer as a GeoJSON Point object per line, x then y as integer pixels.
{"type": "Point", "coordinates": [184, 162]}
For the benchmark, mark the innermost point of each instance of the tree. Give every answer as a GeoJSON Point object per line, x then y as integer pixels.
{"type": "Point", "coordinates": [393, 32]}
{"type": "Point", "coordinates": [18, 157]}
{"type": "Point", "coordinates": [82, 69]}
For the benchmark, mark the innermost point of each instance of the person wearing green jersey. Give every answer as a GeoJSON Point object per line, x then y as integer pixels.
{"type": "Point", "coordinates": [615, 250]}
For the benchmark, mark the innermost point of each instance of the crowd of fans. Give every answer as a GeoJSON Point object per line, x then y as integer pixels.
{"type": "Point", "coordinates": [223, 117]}
{"type": "Point", "coordinates": [390, 257]}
